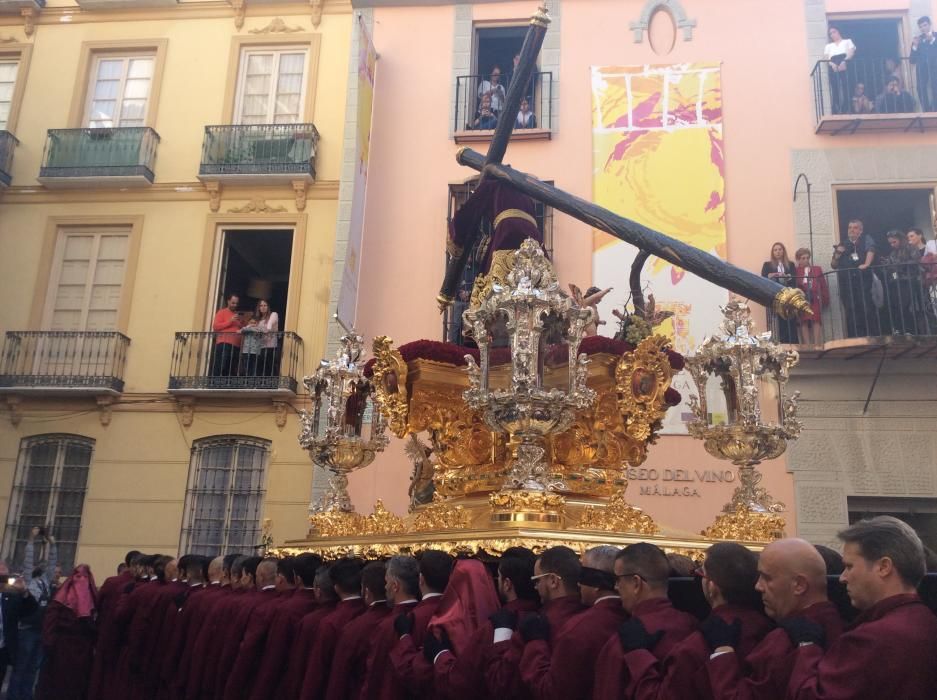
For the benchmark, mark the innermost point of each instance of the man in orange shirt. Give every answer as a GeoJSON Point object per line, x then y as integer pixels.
{"type": "Point", "coordinates": [227, 350]}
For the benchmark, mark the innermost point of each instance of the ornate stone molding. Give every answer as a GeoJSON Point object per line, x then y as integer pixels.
{"type": "Point", "coordinates": [8, 40]}
{"type": "Point", "coordinates": [281, 411]}
{"type": "Point", "coordinates": [30, 14]}
{"type": "Point", "coordinates": [105, 404]}
{"type": "Point", "coordinates": [315, 8]}
{"type": "Point", "coordinates": [214, 195]}
{"type": "Point", "coordinates": [240, 8]}
{"type": "Point", "coordinates": [13, 406]}
{"type": "Point", "coordinates": [676, 11]}
{"type": "Point", "coordinates": [257, 206]}
{"type": "Point", "coordinates": [277, 26]}
{"type": "Point", "coordinates": [186, 409]}
{"type": "Point", "coordinates": [299, 189]}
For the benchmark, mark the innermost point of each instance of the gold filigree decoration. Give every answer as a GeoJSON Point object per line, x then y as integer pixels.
{"type": "Point", "coordinates": [746, 525]}
{"type": "Point", "coordinates": [502, 262]}
{"type": "Point", "coordinates": [618, 516]}
{"type": "Point", "coordinates": [257, 206]}
{"type": "Point", "coordinates": [390, 385]}
{"type": "Point", "coordinates": [341, 523]}
{"type": "Point", "coordinates": [642, 378]}
{"type": "Point", "coordinates": [529, 501]}
{"type": "Point", "coordinates": [441, 515]}
{"type": "Point", "coordinates": [790, 302]}
{"type": "Point", "coordinates": [276, 26]}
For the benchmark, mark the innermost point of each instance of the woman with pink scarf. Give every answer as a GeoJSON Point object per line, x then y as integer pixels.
{"type": "Point", "coordinates": [68, 633]}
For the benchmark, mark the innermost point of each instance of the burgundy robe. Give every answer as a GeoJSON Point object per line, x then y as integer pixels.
{"type": "Point", "coordinates": [109, 596]}
{"type": "Point", "coordinates": [292, 681]}
{"type": "Point", "coordinates": [889, 652]}
{"type": "Point", "coordinates": [165, 613]}
{"type": "Point", "coordinates": [280, 639]}
{"type": "Point", "coordinates": [379, 679]}
{"type": "Point", "coordinates": [245, 634]}
{"type": "Point", "coordinates": [565, 668]}
{"type": "Point", "coordinates": [349, 663]}
{"type": "Point", "coordinates": [250, 652]}
{"type": "Point", "coordinates": [658, 615]}
{"type": "Point", "coordinates": [462, 677]}
{"type": "Point", "coordinates": [176, 661]}
{"type": "Point", "coordinates": [68, 644]}
{"type": "Point", "coordinates": [770, 663]}
{"type": "Point", "coordinates": [319, 661]}
{"type": "Point", "coordinates": [135, 620]}
{"type": "Point", "coordinates": [200, 678]}
{"type": "Point", "coordinates": [502, 663]}
{"type": "Point", "coordinates": [682, 673]}
{"type": "Point", "coordinates": [410, 667]}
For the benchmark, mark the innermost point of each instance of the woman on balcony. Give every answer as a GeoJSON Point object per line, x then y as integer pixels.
{"type": "Point", "coordinates": [781, 270]}
{"type": "Point", "coordinates": [812, 281]}
{"type": "Point", "coordinates": [839, 53]}
{"type": "Point", "coordinates": [927, 250]}
{"type": "Point", "coordinates": [259, 348]}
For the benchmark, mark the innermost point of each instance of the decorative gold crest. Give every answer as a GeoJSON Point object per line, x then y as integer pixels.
{"type": "Point", "coordinates": [618, 516]}
{"type": "Point", "coordinates": [390, 385]}
{"type": "Point", "coordinates": [642, 378]}
{"type": "Point", "coordinates": [531, 501]}
{"type": "Point", "coordinates": [746, 525]}
{"type": "Point", "coordinates": [440, 515]}
{"type": "Point", "coordinates": [338, 523]}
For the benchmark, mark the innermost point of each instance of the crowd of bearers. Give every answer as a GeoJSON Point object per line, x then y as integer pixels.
{"type": "Point", "coordinates": [553, 626]}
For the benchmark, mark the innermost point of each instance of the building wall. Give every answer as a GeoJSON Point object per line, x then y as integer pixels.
{"type": "Point", "coordinates": [140, 465]}
{"type": "Point", "coordinates": [768, 120]}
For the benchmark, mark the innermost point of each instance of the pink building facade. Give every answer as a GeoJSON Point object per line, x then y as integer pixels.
{"type": "Point", "coordinates": [868, 401]}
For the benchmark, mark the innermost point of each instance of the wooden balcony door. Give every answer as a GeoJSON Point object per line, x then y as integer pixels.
{"type": "Point", "coordinates": [84, 295]}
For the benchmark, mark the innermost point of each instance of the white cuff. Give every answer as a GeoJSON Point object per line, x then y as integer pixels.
{"type": "Point", "coordinates": [503, 634]}
{"type": "Point", "coordinates": [720, 653]}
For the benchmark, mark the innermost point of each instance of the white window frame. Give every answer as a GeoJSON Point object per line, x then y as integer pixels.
{"type": "Point", "coordinates": [189, 540]}
{"type": "Point", "coordinates": [277, 51]}
{"type": "Point", "coordinates": [17, 530]}
{"type": "Point", "coordinates": [58, 260]}
{"type": "Point", "coordinates": [18, 63]}
{"type": "Point", "coordinates": [93, 80]}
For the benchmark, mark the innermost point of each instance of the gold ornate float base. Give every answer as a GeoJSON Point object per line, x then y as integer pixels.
{"type": "Point", "coordinates": [746, 524]}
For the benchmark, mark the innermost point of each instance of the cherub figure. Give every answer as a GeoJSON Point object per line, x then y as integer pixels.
{"type": "Point", "coordinates": [591, 298]}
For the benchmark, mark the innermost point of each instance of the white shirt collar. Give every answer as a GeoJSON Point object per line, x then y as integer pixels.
{"type": "Point", "coordinates": [379, 602]}
{"type": "Point", "coordinates": [605, 597]}
{"type": "Point", "coordinates": [352, 597]}
{"type": "Point", "coordinates": [431, 595]}
{"type": "Point", "coordinates": [267, 588]}
{"type": "Point", "coordinates": [408, 600]}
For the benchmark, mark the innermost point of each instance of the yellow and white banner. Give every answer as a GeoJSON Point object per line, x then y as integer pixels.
{"type": "Point", "coordinates": [658, 159]}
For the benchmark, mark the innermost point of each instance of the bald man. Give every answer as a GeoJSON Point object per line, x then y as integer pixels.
{"type": "Point", "coordinates": [792, 582]}
{"type": "Point", "coordinates": [565, 668]}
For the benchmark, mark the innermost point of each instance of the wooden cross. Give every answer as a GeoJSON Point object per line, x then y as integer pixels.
{"type": "Point", "coordinates": [787, 302]}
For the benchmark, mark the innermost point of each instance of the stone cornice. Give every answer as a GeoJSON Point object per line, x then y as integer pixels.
{"type": "Point", "coordinates": [161, 192]}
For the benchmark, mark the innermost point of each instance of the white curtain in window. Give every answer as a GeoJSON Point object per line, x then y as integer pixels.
{"type": "Point", "coordinates": [271, 86]}
{"type": "Point", "coordinates": [8, 70]}
{"type": "Point", "coordinates": [120, 90]}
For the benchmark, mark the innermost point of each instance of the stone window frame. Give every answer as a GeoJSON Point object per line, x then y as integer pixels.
{"type": "Point", "coordinates": [22, 53]}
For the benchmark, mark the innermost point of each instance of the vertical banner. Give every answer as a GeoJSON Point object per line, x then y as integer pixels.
{"type": "Point", "coordinates": [658, 159]}
{"type": "Point", "coordinates": [347, 305]}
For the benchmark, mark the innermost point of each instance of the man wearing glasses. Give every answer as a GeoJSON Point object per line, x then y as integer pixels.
{"type": "Point", "coordinates": [565, 668]}
{"type": "Point", "coordinates": [556, 577]}
{"type": "Point", "coordinates": [641, 573]}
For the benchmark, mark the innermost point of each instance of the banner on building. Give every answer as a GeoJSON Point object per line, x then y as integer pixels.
{"type": "Point", "coordinates": [658, 159]}
{"type": "Point", "coordinates": [346, 307]}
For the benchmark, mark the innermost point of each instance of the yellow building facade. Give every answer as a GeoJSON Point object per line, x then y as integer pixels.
{"type": "Point", "coordinates": [152, 160]}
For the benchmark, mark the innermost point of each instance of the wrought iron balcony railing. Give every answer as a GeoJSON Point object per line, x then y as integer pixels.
{"type": "Point", "coordinates": [207, 361]}
{"type": "Point", "coordinates": [239, 151]}
{"type": "Point", "coordinates": [864, 95]}
{"type": "Point", "coordinates": [470, 89]}
{"type": "Point", "coordinates": [7, 143]}
{"type": "Point", "coordinates": [64, 360]}
{"type": "Point", "coordinates": [892, 305]}
{"type": "Point", "coordinates": [127, 154]}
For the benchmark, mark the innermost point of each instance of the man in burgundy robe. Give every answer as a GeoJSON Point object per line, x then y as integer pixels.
{"type": "Point", "coordinates": [349, 663]}
{"type": "Point", "coordinates": [402, 579]}
{"type": "Point", "coordinates": [247, 634]}
{"type": "Point", "coordinates": [204, 583]}
{"type": "Point", "coordinates": [109, 595]}
{"type": "Point", "coordinates": [283, 628]}
{"type": "Point", "coordinates": [565, 668]}
{"type": "Point", "coordinates": [410, 666]}
{"type": "Point", "coordinates": [346, 578]}
{"type": "Point", "coordinates": [212, 638]}
{"type": "Point", "coordinates": [729, 575]}
{"type": "Point", "coordinates": [889, 650]}
{"type": "Point", "coordinates": [459, 674]}
{"type": "Point", "coordinates": [641, 573]}
{"type": "Point", "coordinates": [306, 632]}
{"type": "Point", "coordinates": [556, 577]}
{"type": "Point", "coordinates": [792, 582]}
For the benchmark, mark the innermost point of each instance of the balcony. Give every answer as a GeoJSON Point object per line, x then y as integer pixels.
{"type": "Point", "coordinates": [259, 153]}
{"type": "Point", "coordinates": [106, 157]}
{"type": "Point", "coordinates": [207, 363]}
{"type": "Point", "coordinates": [7, 143]}
{"type": "Point", "coordinates": [14, 7]}
{"type": "Point", "coordinates": [470, 126]}
{"type": "Point", "coordinates": [842, 107]}
{"type": "Point", "coordinates": [888, 310]}
{"type": "Point", "coordinates": [63, 362]}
